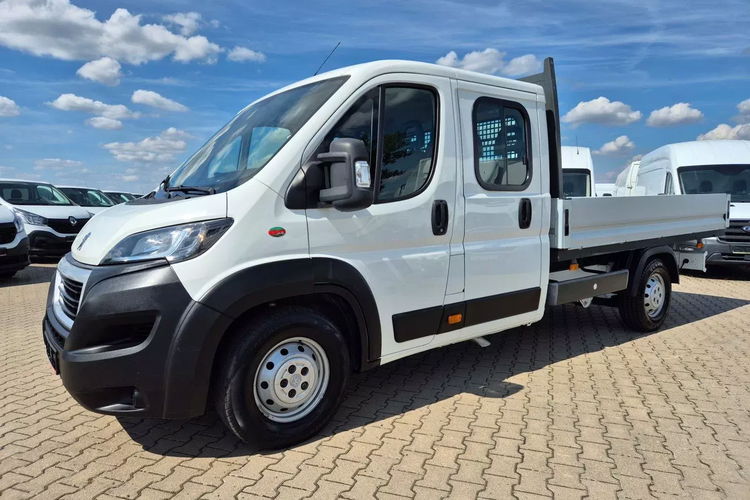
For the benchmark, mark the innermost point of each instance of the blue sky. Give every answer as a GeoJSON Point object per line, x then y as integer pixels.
{"type": "Point", "coordinates": [96, 95]}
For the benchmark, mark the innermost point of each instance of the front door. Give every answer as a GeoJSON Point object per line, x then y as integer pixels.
{"type": "Point", "coordinates": [400, 244]}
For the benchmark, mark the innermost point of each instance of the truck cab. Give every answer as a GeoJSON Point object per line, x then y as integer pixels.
{"type": "Point", "coordinates": [91, 199]}
{"type": "Point", "coordinates": [343, 222]}
{"type": "Point", "coordinates": [699, 167]}
{"type": "Point", "coordinates": [578, 172]}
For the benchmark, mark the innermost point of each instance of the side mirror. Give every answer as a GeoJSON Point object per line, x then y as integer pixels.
{"type": "Point", "coordinates": [348, 175]}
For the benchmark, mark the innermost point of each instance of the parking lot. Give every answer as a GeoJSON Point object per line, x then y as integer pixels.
{"type": "Point", "coordinates": [573, 406]}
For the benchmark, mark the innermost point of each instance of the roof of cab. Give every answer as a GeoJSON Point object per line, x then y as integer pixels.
{"type": "Point", "coordinates": [366, 71]}
{"type": "Point", "coordinates": [714, 152]}
{"type": "Point", "coordinates": [576, 157]}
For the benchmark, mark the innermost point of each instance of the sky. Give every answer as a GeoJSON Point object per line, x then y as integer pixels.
{"type": "Point", "coordinates": [116, 94]}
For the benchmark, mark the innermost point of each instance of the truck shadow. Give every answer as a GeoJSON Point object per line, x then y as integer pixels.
{"type": "Point", "coordinates": [31, 275]}
{"type": "Point", "coordinates": [462, 370]}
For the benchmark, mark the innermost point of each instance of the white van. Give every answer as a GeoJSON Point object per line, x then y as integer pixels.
{"type": "Point", "coordinates": [626, 183]}
{"type": "Point", "coordinates": [719, 166]}
{"type": "Point", "coordinates": [606, 189]}
{"type": "Point", "coordinates": [50, 219]}
{"type": "Point", "coordinates": [91, 199]}
{"type": "Point", "coordinates": [578, 172]}
{"type": "Point", "coordinates": [14, 245]}
{"type": "Point", "coordinates": [343, 222]}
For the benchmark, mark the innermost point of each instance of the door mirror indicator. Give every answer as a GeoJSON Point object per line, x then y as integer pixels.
{"type": "Point", "coordinates": [347, 173]}
{"type": "Point", "coordinates": [362, 174]}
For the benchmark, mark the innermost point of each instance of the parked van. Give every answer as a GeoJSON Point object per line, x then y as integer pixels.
{"type": "Point", "coordinates": [578, 172]}
{"type": "Point", "coordinates": [50, 219]}
{"type": "Point", "coordinates": [718, 166]}
{"type": "Point", "coordinates": [605, 189]}
{"type": "Point", "coordinates": [91, 199]}
{"type": "Point", "coordinates": [14, 245]}
{"type": "Point", "coordinates": [343, 222]}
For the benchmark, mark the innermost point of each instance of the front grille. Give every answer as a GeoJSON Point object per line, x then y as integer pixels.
{"type": "Point", "coordinates": [7, 232]}
{"type": "Point", "coordinates": [65, 226]}
{"type": "Point", "coordinates": [70, 296]}
{"type": "Point", "coordinates": [735, 233]}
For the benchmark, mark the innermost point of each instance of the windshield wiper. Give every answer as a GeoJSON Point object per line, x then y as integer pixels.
{"type": "Point", "coordinates": [190, 189]}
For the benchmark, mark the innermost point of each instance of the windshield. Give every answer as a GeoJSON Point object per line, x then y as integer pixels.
{"type": "Point", "coordinates": [576, 183]}
{"type": "Point", "coordinates": [30, 193]}
{"type": "Point", "coordinates": [87, 197]}
{"type": "Point", "coordinates": [244, 146]}
{"type": "Point", "coordinates": [730, 179]}
{"type": "Point", "coordinates": [119, 197]}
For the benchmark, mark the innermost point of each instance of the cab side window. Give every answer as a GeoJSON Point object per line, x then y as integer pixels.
{"type": "Point", "coordinates": [402, 150]}
{"type": "Point", "coordinates": [408, 144]}
{"type": "Point", "coordinates": [501, 145]}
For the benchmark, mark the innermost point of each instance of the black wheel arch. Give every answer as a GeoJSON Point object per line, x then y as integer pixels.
{"type": "Point", "coordinates": [641, 258]}
{"type": "Point", "coordinates": [284, 280]}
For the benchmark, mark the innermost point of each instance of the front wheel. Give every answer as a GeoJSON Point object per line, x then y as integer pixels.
{"type": "Point", "coordinates": [282, 377]}
{"type": "Point", "coordinates": [647, 309]}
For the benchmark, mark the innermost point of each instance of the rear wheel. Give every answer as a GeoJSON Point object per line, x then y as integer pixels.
{"type": "Point", "coordinates": [646, 310]}
{"type": "Point", "coordinates": [282, 377]}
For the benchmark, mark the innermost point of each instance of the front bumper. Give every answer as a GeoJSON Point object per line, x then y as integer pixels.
{"type": "Point", "coordinates": [138, 345]}
{"type": "Point", "coordinates": [48, 244]}
{"type": "Point", "coordinates": [15, 258]}
{"type": "Point", "coordinates": [721, 253]}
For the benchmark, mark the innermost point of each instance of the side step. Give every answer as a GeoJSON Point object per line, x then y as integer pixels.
{"type": "Point", "coordinates": [573, 290]}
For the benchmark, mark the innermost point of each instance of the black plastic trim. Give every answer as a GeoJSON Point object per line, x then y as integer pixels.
{"type": "Point", "coordinates": [432, 320]}
{"type": "Point", "coordinates": [565, 292]}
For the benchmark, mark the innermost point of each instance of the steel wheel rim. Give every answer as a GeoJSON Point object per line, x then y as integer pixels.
{"type": "Point", "coordinates": [291, 379]}
{"type": "Point", "coordinates": [655, 295]}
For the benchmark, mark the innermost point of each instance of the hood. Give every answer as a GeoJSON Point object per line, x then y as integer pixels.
{"type": "Point", "coordinates": [6, 215]}
{"type": "Point", "coordinates": [96, 210]}
{"type": "Point", "coordinates": [109, 227]}
{"type": "Point", "coordinates": [739, 210]}
{"type": "Point", "coordinates": [56, 211]}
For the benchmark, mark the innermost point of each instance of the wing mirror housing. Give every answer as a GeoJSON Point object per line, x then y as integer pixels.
{"type": "Point", "coordinates": [347, 173]}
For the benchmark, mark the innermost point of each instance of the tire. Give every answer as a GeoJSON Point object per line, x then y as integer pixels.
{"type": "Point", "coordinates": [297, 353]}
{"type": "Point", "coordinates": [647, 310]}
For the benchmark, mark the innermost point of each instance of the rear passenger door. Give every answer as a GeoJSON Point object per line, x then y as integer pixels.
{"type": "Point", "coordinates": [396, 244]}
{"type": "Point", "coordinates": [506, 223]}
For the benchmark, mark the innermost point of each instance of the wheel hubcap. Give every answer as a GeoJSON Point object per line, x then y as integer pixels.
{"type": "Point", "coordinates": [291, 379]}
{"type": "Point", "coordinates": [654, 295]}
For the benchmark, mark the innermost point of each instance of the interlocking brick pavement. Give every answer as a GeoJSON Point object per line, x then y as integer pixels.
{"type": "Point", "coordinates": [572, 407]}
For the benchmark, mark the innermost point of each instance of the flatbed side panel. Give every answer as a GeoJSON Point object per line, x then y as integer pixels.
{"type": "Point", "coordinates": [581, 223]}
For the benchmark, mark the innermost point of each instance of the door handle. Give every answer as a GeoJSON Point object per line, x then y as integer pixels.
{"type": "Point", "coordinates": [439, 217]}
{"type": "Point", "coordinates": [524, 213]}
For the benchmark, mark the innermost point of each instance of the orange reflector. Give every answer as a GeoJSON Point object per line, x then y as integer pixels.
{"type": "Point", "coordinates": [699, 245]}
{"type": "Point", "coordinates": [574, 267]}
{"type": "Point", "coordinates": [455, 318]}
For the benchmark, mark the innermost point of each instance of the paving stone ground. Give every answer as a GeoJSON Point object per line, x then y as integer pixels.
{"type": "Point", "coordinates": [572, 407]}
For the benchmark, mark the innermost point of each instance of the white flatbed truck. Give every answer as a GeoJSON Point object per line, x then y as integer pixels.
{"type": "Point", "coordinates": [343, 222]}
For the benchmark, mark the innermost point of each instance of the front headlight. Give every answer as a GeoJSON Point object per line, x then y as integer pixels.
{"type": "Point", "coordinates": [174, 243]}
{"type": "Point", "coordinates": [30, 218]}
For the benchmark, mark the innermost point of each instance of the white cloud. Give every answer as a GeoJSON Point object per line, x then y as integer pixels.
{"type": "Point", "coordinates": [621, 145]}
{"type": "Point", "coordinates": [8, 107]}
{"type": "Point", "coordinates": [65, 31]}
{"type": "Point", "coordinates": [725, 131]}
{"type": "Point", "coordinates": [744, 109]}
{"type": "Point", "coordinates": [72, 102]}
{"type": "Point", "coordinates": [129, 178]}
{"type": "Point", "coordinates": [151, 98]}
{"type": "Point", "coordinates": [602, 111]}
{"type": "Point", "coordinates": [103, 70]}
{"type": "Point", "coordinates": [158, 149]}
{"type": "Point", "coordinates": [241, 54]}
{"type": "Point", "coordinates": [677, 114]}
{"type": "Point", "coordinates": [187, 21]}
{"type": "Point", "coordinates": [105, 123]}
{"type": "Point", "coordinates": [56, 164]}
{"type": "Point", "coordinates": [491, 61]}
